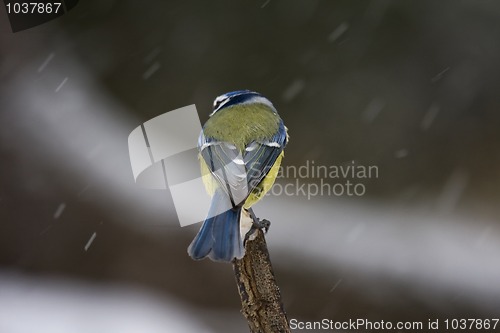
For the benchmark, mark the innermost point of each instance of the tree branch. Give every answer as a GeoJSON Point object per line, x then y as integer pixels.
{"type": "Point", "coordinates": [259, 293]}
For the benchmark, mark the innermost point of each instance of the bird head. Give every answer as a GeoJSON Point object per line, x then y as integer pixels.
{"type": "Point", "coordinates": [240, 97]}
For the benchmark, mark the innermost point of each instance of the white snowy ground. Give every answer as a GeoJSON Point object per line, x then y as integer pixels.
{"type": "Point", "coordinates": [30, 305]}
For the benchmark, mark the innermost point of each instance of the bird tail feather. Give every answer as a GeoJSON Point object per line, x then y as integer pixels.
{"type": "Point", "coordinates": [219, 237]}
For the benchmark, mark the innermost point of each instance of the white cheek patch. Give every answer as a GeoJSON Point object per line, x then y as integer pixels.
{"type": "Point", "coordinates": [219, 99]}
{"type": "Point", "coordinates": [220, 102]}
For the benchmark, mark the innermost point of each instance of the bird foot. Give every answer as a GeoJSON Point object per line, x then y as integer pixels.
{"type": "Point", "coordinates": [257, 224]}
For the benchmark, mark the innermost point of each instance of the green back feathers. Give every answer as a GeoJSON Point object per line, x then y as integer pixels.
{"type": "Point", "coordinates": [242, 124]}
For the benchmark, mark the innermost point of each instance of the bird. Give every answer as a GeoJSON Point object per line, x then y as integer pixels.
{"type": "Point", "coordinates": [241, 146]}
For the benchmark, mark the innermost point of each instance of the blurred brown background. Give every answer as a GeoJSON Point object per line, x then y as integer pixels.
{"type": "Point", "coordinates": [408, 86]}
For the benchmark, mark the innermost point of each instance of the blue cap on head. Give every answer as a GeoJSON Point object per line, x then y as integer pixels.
{"type": "Point", "coordinates": [239, 97]}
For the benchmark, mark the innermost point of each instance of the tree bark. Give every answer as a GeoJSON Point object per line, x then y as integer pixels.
{"type": "Point", "coordinates": [259, 293]}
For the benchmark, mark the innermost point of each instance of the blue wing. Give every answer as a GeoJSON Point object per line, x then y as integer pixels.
{"type": "Point", "coordinates": [227, 166]}
{"type": "Point", "coordinates": [260, 156]}
{"type": "Point", "coordinates": [238, 173]}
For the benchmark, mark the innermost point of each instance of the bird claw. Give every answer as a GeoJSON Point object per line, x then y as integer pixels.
{"type": "Point", "coordinates": [257, 224]}
{"type": "Point", "coordinates": [262, 224]}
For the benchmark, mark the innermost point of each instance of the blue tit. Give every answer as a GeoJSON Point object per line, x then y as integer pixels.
{"type": "Point", "coordinates": [240, 150]}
